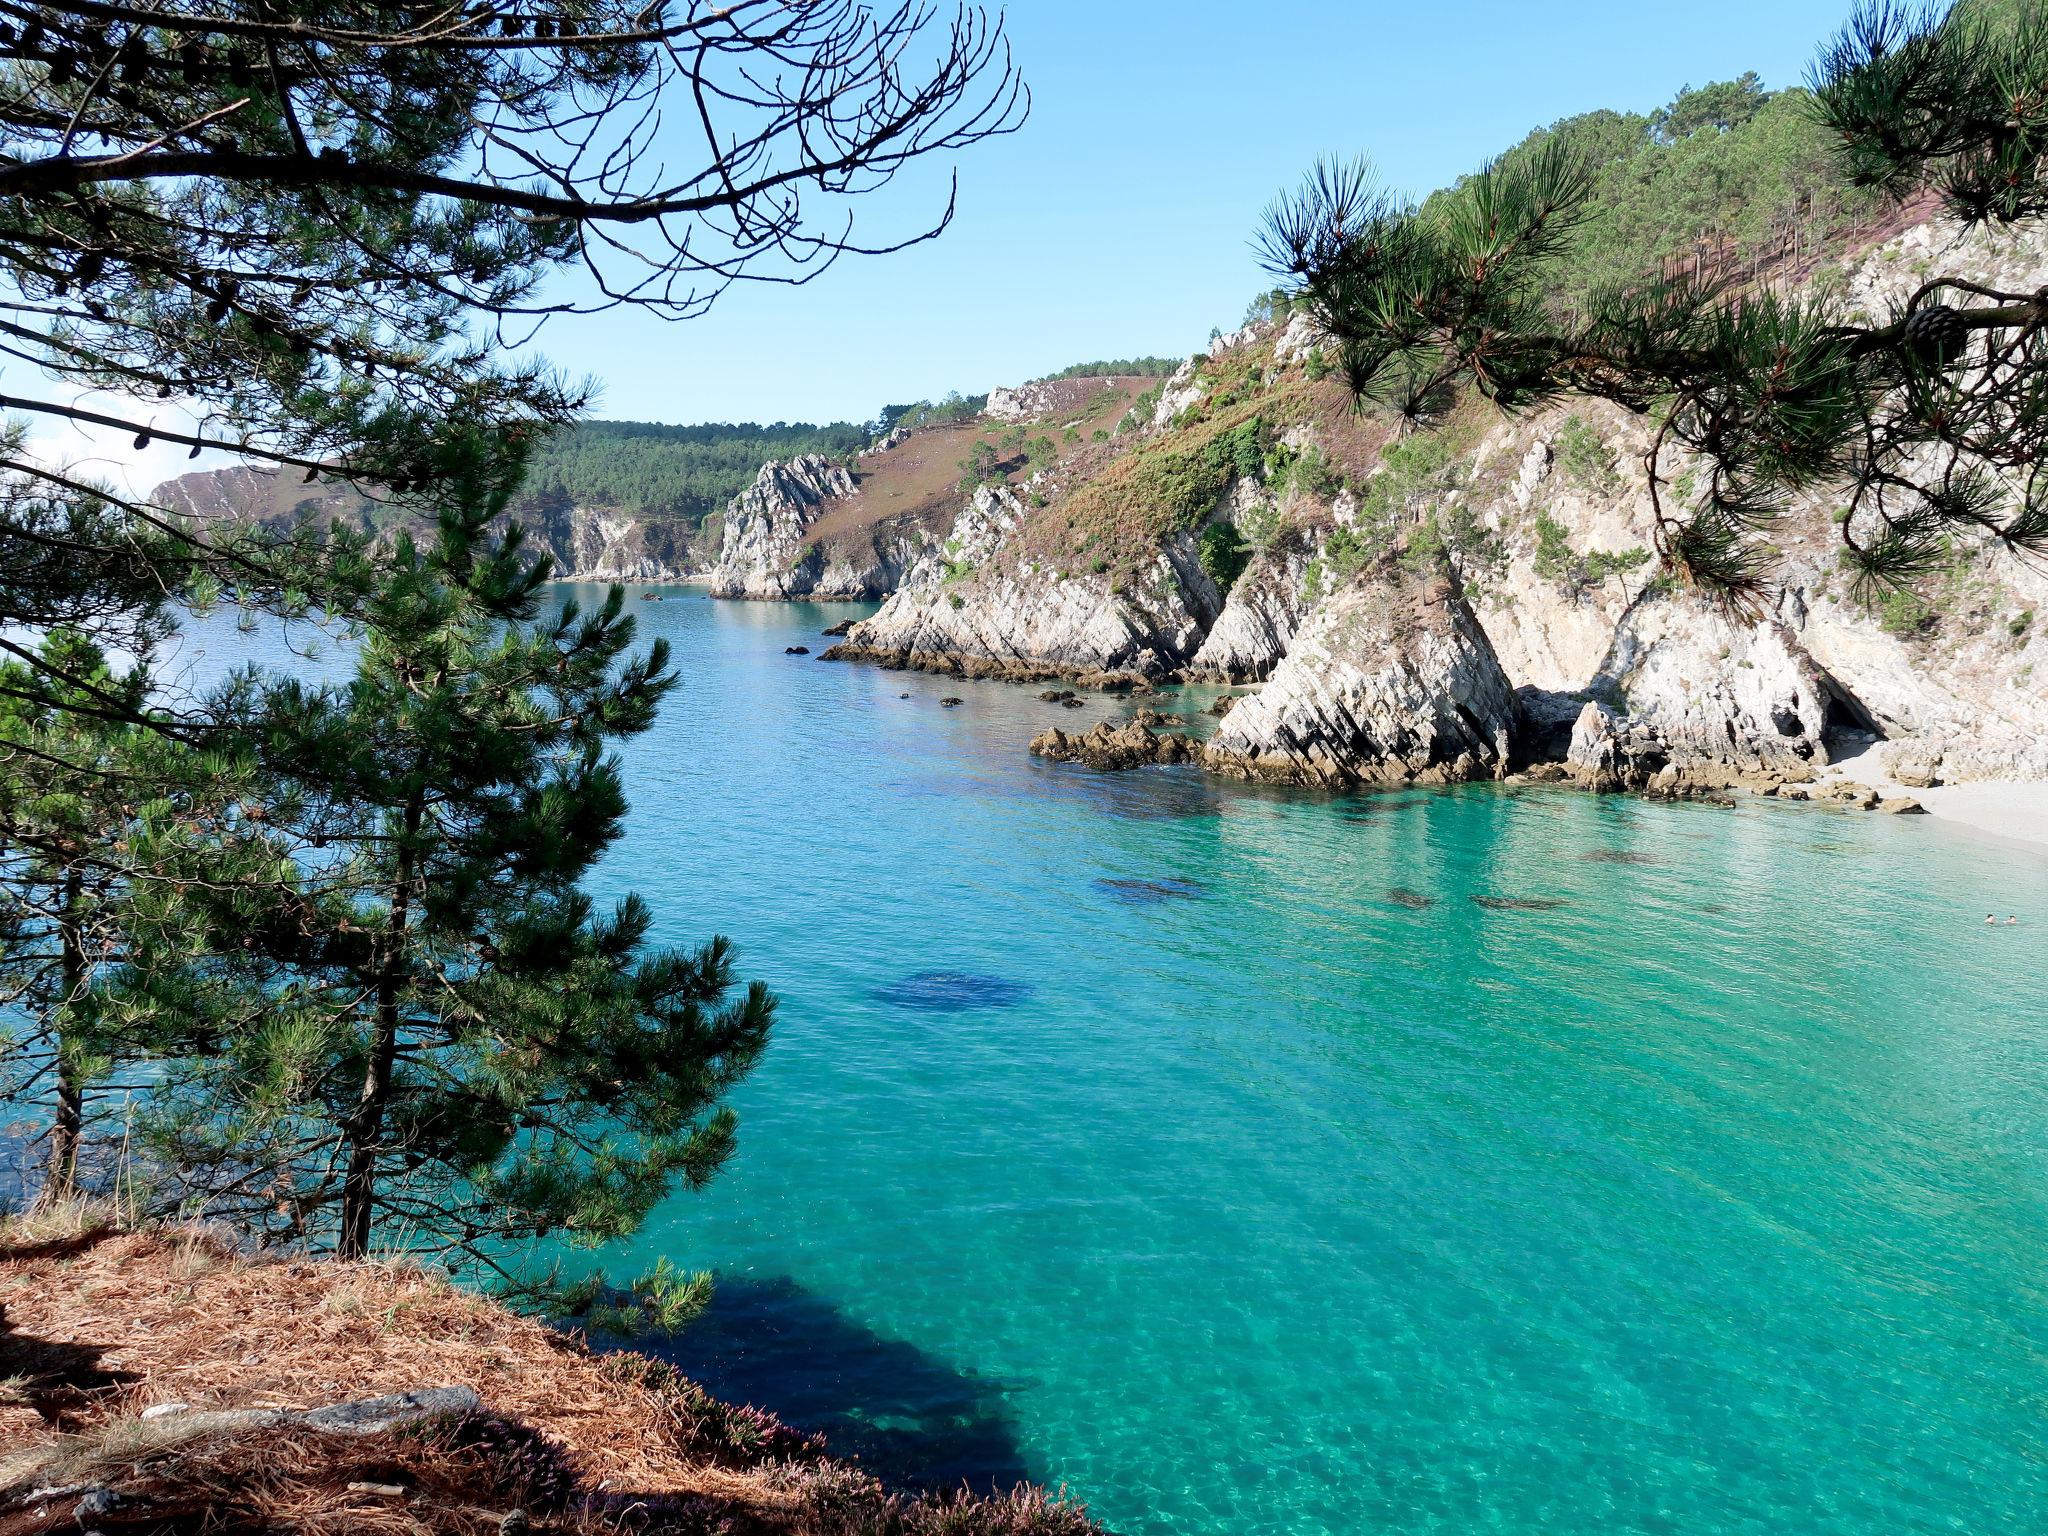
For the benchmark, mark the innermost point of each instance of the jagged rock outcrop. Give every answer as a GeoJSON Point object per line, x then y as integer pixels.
{"type": "Point", "coordinates": [1547, 522]}
{"type": "Point", "coordinates": [779, 541]}
{"type": "Point", "coordinates": [1112, 748]}
{"type": "Point", "coordinates": [1259, 619]}
{"type": "Point", "coordinates": [1385, 684]}
{"type": "Point", "coordinates": [963, 612]}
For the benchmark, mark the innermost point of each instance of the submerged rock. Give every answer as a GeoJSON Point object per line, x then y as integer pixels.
{"type": "Point", "coordinates": [953, 991]}
{"type": "Point", "coordinates": [1150, 892]}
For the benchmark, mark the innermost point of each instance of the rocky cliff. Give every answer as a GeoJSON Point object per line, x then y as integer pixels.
{"type": "Point", "coordinates": [1386, 683]}
{"type": "Point", "coordinates": [790, 535]}
{"type": "Point", "coordinates": [585, 543]}
{"type": "Point", "coordinates": [1253, 529]}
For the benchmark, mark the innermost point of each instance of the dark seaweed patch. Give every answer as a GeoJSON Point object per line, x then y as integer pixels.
{"type": "Point", "coordinates": [1147, 893]}
{"type": "Point", "coordinates": [1401, 896]}
{"type": "Point", "coordinates": [1615, 856]}
{"type": "Point", "coordinates": [1518, 903]}
{"type": "Point", "coordinates": [953, 991]}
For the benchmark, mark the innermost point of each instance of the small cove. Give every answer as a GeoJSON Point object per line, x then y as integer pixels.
{"type": "Point", "coordinates": [1247, 1160]}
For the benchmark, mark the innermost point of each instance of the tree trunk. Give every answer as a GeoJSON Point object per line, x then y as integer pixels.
{"type": "Point", "coordinates": [365, 1127]}
{"type": "Point", "coordinates": [67, 1127]}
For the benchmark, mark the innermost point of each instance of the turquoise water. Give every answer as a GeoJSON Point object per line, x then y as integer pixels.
{"type": "Point", "coordinates": [1126, 1133]}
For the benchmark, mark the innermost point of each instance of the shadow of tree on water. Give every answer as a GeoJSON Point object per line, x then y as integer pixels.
{"type": "Point", "coordinates": [911, 1417]}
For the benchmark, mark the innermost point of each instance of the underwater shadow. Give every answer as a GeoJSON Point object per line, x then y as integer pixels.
{"type": "Point", "coordinates": [912, 1418]}
{"type": "Point", "coordinates": [953, 991]}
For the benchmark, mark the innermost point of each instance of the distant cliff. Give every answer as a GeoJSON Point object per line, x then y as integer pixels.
{"type": "Point", "coordinates": [608, 500]}
{"type": "Point", "coordinates": [801, 531]}
{"type": "Point", "coordinates": [585, 543]}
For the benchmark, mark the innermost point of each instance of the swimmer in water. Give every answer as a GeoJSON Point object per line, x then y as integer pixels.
{"type": "Point", "coordinates": [2012, 922]}
{"type": "Point", "coordinates": [1991, 917]}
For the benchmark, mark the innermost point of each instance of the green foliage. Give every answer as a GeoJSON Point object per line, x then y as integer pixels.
{"type": "Point", "coordinates": [1729, 163]}
{"type": "Point", "coordinates": [1223, 554]}
{"type": "Point", "coordinates": [1118, 368]}
{"type": "Point", "coordinates": [1722, 107]}
{"type": "Point", "coordinates": [1271, 307]}
{"type": "Point", "coordinates": [1903, 613]}
{"type": "Point", "coordinates": [1304, 471]}
{"type": "Point", "coordinates": [648, 468]}
{"type": "Point", "coordinates": [982, 466]}
{"type": "Point", "coordinates": [1551, 271]}
{"type": "Point", "coordinates": [1395, 511]}
{"type": "Point", "coordinates": [1168, 483]}
{"type": "Point", "coordinates": [1239, 452]}
{"type": "Point", "coordinates": [662, 1301]}
{"type": "Point", "coordinates": [455, 1048]}
{"type": "Point", "coordinates": [1140, 411]}
{"type": "Point", "coordinates": [1316, 366]}
{"type": "Point", "coordinates": [79, 770]}
{"type": "Point", "coordinates": [1555, 560]}
{"type": "Point", "coordinates": [954, 410]}
{"type": "Point", "coordinates": [1581, 455]}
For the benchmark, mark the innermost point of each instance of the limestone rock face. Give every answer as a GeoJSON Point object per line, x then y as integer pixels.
{"type": "Point", "coordinates": [1384, 684]}
{"type": "Point", "coordinates": [1717, 697]}
{"type": "Point", "coordinates": [771, 551]}
{"type": "Point", "coordinates": [960, 611]}
{"type": "Point", "coordinates": [1259, 619]}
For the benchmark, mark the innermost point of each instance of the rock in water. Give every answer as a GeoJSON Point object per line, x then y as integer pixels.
{"type": "Point", "coordinates": [1385, 684]}
{"type": "Point", "coordinates": [796, 650]}
{"type": "Point", "coordinates": [1111, 748]}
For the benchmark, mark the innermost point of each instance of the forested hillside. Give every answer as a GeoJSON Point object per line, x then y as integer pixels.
{"type": "Point", "coordinates": [646, 467]}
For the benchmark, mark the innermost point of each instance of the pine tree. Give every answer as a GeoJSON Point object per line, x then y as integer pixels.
{"type": "Point", "coordinates": [301, 233]}
{"type": "Point", "coordinates": [71, 765]}
{"type": "Point", "coordinates": [1927, 418]}
{"type": "Point", "coordinates": [414, 1029]}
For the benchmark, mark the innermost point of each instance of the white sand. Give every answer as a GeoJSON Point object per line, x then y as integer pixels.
{"type": "Point", "coordinates": [2010, 810]}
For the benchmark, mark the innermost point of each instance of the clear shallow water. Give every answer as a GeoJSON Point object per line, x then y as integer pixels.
{"type": "Point", "coordinates": [1128, 1133]}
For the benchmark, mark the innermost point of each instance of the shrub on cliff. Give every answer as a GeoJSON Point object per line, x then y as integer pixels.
{"type": "Point", "coordinates": [1929, 416]}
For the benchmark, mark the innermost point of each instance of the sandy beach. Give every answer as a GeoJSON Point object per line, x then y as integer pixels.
{"type": "Point", "coordinates": [2013, 811]}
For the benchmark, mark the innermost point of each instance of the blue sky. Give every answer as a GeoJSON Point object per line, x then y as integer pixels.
{"type": "Point", "coordinates": [1117, 221]}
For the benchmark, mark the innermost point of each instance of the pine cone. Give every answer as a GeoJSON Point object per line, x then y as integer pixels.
{"type": "Point", "coordinates": [1934, 335]}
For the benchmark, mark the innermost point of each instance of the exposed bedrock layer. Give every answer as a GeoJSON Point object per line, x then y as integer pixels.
{"type": "Point", "coordinates": [782, 539]}
{"type": "Point", "coordinates": [1384, 684]}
